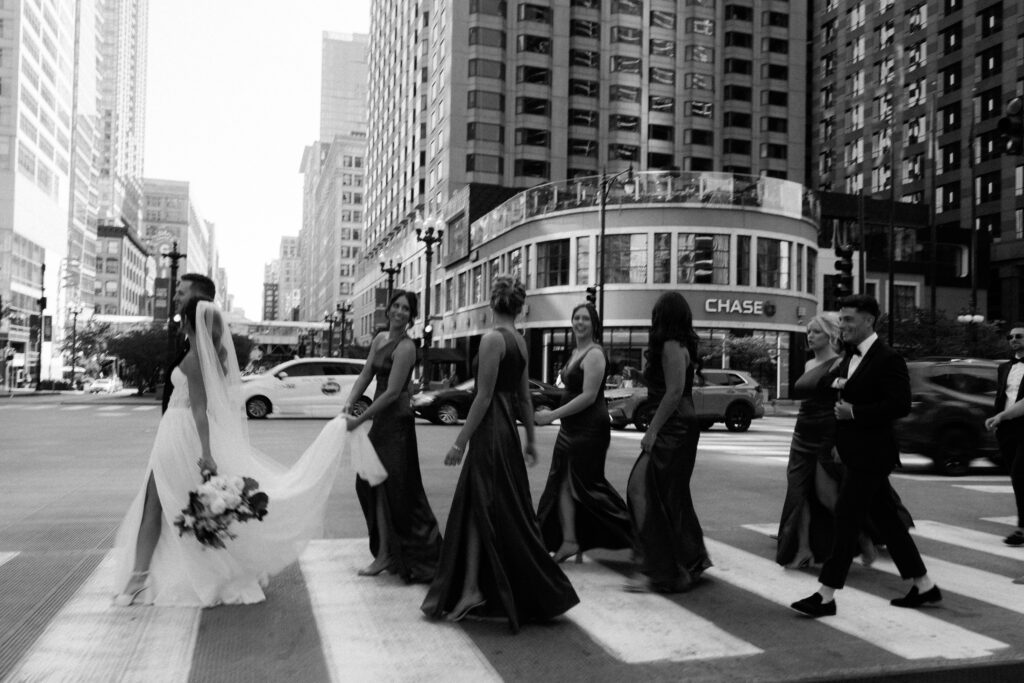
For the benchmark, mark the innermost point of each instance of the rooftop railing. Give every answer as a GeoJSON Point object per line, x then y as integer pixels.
{"type": "Point", "coordinates": [686, 188]}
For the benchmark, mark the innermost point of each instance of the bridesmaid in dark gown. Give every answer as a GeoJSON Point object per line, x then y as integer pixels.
{"type": "Point", "coordinates": [579, 509]}
{"type": "Point", "coordinates": [670, 543]}
{"type": "Point", "coordinates": [494, 559]}
{"type": "Point", "coordinates": [404, 536]}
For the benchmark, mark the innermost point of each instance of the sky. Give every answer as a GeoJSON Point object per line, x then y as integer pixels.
{"type": "Point", "coordinates": [233, 97]}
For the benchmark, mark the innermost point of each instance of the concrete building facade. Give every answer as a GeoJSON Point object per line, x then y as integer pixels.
{"type": "Point", "coordinates": [122, 272]}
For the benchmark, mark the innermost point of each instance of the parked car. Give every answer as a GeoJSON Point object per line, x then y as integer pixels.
{"type": "Point", "coordinates": [105, 385]}
{"type": "Point", "coordinates": [950, 400]}
{"type": "Point", "coordinates": [448, 406]}
{"type": "Point", "coordinates": [306, 387]}
{"type": "Point", "coordinates": [729, 396]}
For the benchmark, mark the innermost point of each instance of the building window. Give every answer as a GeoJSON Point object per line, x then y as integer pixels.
{"type": "Point", "coordinates": [661, 76]}
{"type": "Point", "coordinates": [697, 136]}
{"type": "Point", "coordinates": [486, 36]}
{"type": "Point", "coordinates": [699, 82]}
{"type": "Point", "coordinates": [737, 92]}
{"type": "Point", "coordinates": [736, 119]}
{"type": "Point", "coordinates": [739, 13]}
{"type": "Point", "coordinates": [586, 58]}
{"type": "Point", "coordinates": [779, 19]}
{"type": "Point", "coordinates": [704, 27]}
{"type": "Point", "coordinates": [702, 259]}
{"type": "Point", "coordinates": [773, 151]}
{"type": "Point", "coordinates": [491, 132]}
{"type": "Point", "coordinates": [662, 258]}
{"type": "Point", "coordinates": [661, 103]}
{"type": "Point", "coordinates": [738, 39]}
{"type": "Point", "coordinates": [477, 285]}
{"type": "Point", "coordinates": [582, 260]}
{"type": "Point", "coordinates": [463, 288]}
{"type": "Point", "coordinates": [633, 7]}
{"type": "Point", "coordinates": [583, 88]}
{"type": "Point", "coordinates": [533, 105]}
{"type": "Point", "coordinates": [484, 163]}
{"type": "Point", "coordinates": [775, 124]}
{"type": "Point", "coordinates": [743, 260]}
{"type": "Point", "coordinates": [812, 274]}
{"type": "Point", "coordinates": [626, 259]}
{"type": "Point", "coordinates": [584, 29]}
{"type": "Point", "coordinates": [987, 187]}
{"type": "Point", "coordinates": [700, 108]}
{"type": "Point", "coordinates": [494, 7]}
{"type": "Point", "coordinates": [735, 146]}
{"type": "Point", "coordinates": [906, 300]}
{"type": "Point", "coordinates": [582, 148]}
{"type": "Point", "coordinates": [623, 152]}
{"type": "Point", "coordinates": [991, 20]}
{"type": "Point", "coordinates": [739, 66]}
{"type": "Point", "coordinates": [627, 34]}
{"type": "Point", "coordinates": [536, 13]}
{"type": "Point", "coordinates": [533, 74]}
{"type": "Point", "coordinates": [990, 61]}
{"type": "Point", "coordinates": [662, 48]}
{"type": "Point", "coordinates": [482, 99]}
{"type": "Point", "coordinates": [623, 64]}
{"type": "Point", "coordinates": [624, 122]}
{"type": "Point", "coordinates": [587, 4]}
{"type": "Point", "coordinates": [659, 132]}
{"type": "Point", "coordinates": [950, 77]}
{"type": "Point", "coordinates": [772, 263]}
{"type": "Point", "coordinates": [583, 117]}
{"type": "Point", "coordinates": [775, 98]}
{"type": "Point", "coordinates": [537, 137]}
{"type": "Point", "coordinates": [624, 93]}
{"type": "Point", "coordinates": [553, 263]}
{"type": "Point", "coordinates": [537, 44]}
{"type": "Point", "coordinates": [698, 53]}
{"type": "Point", "coordinates": [663, 19]}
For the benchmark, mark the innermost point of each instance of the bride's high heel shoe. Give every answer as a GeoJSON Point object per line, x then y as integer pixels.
{"type": "Point", "coordinates": [126, 598]}
{"type": "Point", "coordinates": [568, 549]}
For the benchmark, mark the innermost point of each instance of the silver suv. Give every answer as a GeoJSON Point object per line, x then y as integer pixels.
{"type": "Point", "coordinates": [729, 396]}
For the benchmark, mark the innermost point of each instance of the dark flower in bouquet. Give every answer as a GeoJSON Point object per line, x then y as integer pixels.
{"type": "Point", "coordinates": [218, 503]}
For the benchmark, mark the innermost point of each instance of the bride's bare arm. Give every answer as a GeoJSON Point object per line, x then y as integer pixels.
{"type": "Point", "coordinates": [197, 403]}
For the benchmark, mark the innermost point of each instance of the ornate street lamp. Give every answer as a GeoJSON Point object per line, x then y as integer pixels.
{"type": "Point", "coordinates": [75, 309]}
{"type": "Point", "coordinates": [390, 270]}
{"type": "Point", "coordinates": [429, 236]}
{"type": "Point", "coordinates": [628, 186]}
{"type": "Point", "coordinates": [341, 316]}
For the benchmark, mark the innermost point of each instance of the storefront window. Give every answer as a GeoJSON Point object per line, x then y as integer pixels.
{"type": "Point", "coordinates": [515, 264]}
{"type": "Point", "coordinates": [582, 260]}
{"type": "Point", "coordinates": [478, 285]}
{"type": "Point", "coordinates": [553, 263]}
{"type": "Point", "coordinates": [772, 263]}
{"type": "Point", "coordinates": [703, 259]}
{"type": "Point", "coordinates": [626, 258]}
{"type": "Point", "coordinates": [662, 257]}
{"type": "Point", "coordinates": [463, 288]}
{"type": "Point", "coordinates": [743, 260]}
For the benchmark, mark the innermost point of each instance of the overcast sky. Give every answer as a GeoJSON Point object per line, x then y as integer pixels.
{"type": "Point", "coordinates": [233, 97]}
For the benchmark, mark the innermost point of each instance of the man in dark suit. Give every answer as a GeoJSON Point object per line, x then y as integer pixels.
{"type": "Point", "coordinates": [1010, 429]}
{"type": "Point", "coordinates": [190, 286]}
{"type": "Point", "coordinates": [874, 392]}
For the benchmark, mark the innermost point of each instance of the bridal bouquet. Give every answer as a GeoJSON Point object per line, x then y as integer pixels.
{"type": "Point", "coordinates": [216, 504]}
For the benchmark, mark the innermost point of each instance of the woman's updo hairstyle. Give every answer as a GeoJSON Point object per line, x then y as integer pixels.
{"type": "Point", "coordinates": [507, 295]}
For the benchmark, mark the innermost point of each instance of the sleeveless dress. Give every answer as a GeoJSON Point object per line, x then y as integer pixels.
{"type": "Point", "coordinates": [670, 542]}
{"type": "Point", "coordinates": [602, 520]}
{"type": "Point", "coordinates": [185, 573]}
{"type": "Point", "coordinates": [810, 456]}
{"type": "Point", "coordinates": [415, 540]}
{"type": "Point", "coordinates": [518, 578]}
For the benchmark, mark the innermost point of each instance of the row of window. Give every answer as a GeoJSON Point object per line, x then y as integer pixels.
{"type": "Point", "coordinates": [525, 42]}
{"type": "Point", "coordinates": [658, 18]}
{"type": "Point", "coordinates": [539, 106]}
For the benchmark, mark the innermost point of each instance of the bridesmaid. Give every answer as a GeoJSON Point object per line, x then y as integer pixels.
{"type": "Point", "coordinates": [579, 509]}
{"type": "Point", "coordinates": [670, 544]}
{"type": "Point", "coordinates": [805, 529]}
{"type": "Point", "coordinates": [493, 556]}
{"type": "Point", "coordinates": [404, 536]}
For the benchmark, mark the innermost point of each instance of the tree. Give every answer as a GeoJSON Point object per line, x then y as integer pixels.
{"type": "Point", "coordinates": [753, 355]}
{"type": "Point", "coordinates": [919, 336]}
{"type": "Point", "coordinates": [90, 340]}
{"type": "Point", "coordinates": [143, 352]}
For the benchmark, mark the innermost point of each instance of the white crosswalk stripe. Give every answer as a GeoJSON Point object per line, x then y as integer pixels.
{"type": "Point", "coordinates": [1009, 521]}
{"type": "Point", "coordinates": [907, 633]}
{"type": "Point", "coordinates": [950, 577]}
{"type": "Point", "coordinates": [7, 557]}
{"type": "Point", "coordinates": [966, 538]}
{"type": "Point", "coordinates": [986, 488]}
{"type": "Point", "coordinates": [72, 408]}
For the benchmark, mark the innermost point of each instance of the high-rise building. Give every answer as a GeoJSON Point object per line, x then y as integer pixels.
{"type": "Point", "coordinates": [120, 287]}
{"type": "Point", "coordinates": [289, 278]}
{"type": "Point", "coordinates": [330, 240]}
{"type": "Point", "coordinates": [905, 106]}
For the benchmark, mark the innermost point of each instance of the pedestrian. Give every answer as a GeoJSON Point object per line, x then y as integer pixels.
{"type": "Point", "coordinates": [579, 509]}
{"type": "Point", "coordinates": [874, 392]}
{"type": "Point", "coordinates": [190, 286]}
{"type": "Point", "coordinates": [670, 550]}
{"type": "Point", "coordinates": [812, 475]}
{"type": "Point", "coordinates": [203, 433]}
{"type": "Point", "coordinates": [493, 558]}
{"type": "Point", "coordinates": [1008, 423]}
{"type": "Point", "coordinates": [404, 536]}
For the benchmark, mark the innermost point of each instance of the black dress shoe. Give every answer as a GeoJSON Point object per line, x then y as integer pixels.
{"type": "Point", "coordinates": [1016, 539]}
{"type": "Point", "coordinates": [813, 607]}
{"type": "Point", "coordinates": [915, 598]}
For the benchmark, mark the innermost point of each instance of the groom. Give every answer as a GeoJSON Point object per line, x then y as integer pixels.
{"type": "Point", "coordinates": [874, 391]}
{"type": "Point", "coordinates": [191, 286]}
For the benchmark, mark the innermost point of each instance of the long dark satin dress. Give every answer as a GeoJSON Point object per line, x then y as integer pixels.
{"type": "Point", "coordinates": [602, 520]}
{"type": "Point", "coordinates": [415, 541]}
{"type": "Point", "coordinates": [814, 435]}
{"type": "Point", "coordinates": [670, 542]}
{"type": "Point", "coordinates": [518, 578]}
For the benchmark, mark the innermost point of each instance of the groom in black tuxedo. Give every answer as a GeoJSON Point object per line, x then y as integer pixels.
{"type": "Point", "coordinates": [190, 286]}
{"type": "Point", "coordinates": [1010, 433]}
{"type": "Point", "coordinates": [873, 388]}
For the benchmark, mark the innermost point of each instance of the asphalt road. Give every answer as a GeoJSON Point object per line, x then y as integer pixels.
{"type": "Point", "coordinates": [70, 468]}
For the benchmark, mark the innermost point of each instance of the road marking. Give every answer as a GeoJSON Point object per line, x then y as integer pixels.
{"type": "Point", "coordinates": [906, 633]}
{"type": "Point", "coordinates": [372, 628]}
{"type": "Point", "coordinates": [68, 408]}
{"type": "Point", "coordinates": [7, 557]}
{"type": "Point", "coordinates": [91, 640]}
{"type": "Point", "coordinates": [139, 409]}
{"type": "Point", "coordinates": [108, 409]}
{"type": "Point", "coordinates": [920, 459]}
{"type": "Point", "coordinates": [955, 578]}
{"type": "Point", "coordinates": [990, 488]}
{"type": "Point", "coordinates": [637, 628]}
{"type": "Point", "coordinates": [1009, 521]}
{"type": "Point", "coordinates": [965, 538]}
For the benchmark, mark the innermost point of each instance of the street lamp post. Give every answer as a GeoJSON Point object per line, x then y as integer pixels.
{"type": "Point", "coordinates": [75, 310]}
{"type": "Point", "coordinates": [390, 270]}
{"type": "Point", "coordinates": [172, 327]}
{"type": "Point", "coordinates": [342, 313]}
{"type": "Point", "coordinates": [42, 323]}
{"type": "Point", "coordinates": [330, 319]}
{"type": "Point", "coordinates": [429, 237]}
{"type": "Point", "coordinates": [606, 181]}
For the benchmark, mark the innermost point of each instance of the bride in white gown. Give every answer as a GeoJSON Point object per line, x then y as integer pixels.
{"type": "Point", "coordinates": [205, 425]}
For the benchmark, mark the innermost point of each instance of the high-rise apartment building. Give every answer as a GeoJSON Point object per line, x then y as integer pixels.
{"type": "Point", "coordinates": [907, 96]}
{"type": "Point", "coordinates": [330, 240]}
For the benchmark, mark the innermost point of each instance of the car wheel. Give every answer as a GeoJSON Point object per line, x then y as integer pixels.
{"type": "Point", "coordinates": [738, 417]}
{"type": "Point", "coordinates": [448, 414]}
{"type": "Point", "coordinates": [643, 416]}
{"type": "Point", "coordinates": [954, 452]}
{"type": "Point", "coordinates": [359, 407]}
{"type": "Point", "coordinates": [257, 408]}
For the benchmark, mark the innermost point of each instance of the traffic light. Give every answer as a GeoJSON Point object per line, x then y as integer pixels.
{"type": "Point", "coordinates": [1011, 127]}
{"type": "Point", "coordinates": [844, 271]}
{"type": "Point", "coordinates": [592, 296]}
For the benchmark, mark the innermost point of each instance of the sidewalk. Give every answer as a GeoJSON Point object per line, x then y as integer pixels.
{"type": "Point", "coordinates": [69, 397]}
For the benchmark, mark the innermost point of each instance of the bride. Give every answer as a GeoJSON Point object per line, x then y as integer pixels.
{"type": "Point", "coordinates": [205, 428]}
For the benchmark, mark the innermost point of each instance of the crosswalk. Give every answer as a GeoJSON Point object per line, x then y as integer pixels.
{"type": "Point", "coordinates": [372, 629]}
{"type": "Point", "coordinates": [101, 410]}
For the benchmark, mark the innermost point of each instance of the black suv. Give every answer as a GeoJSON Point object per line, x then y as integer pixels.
{"type": "Point", "coordinates": [951, 399]}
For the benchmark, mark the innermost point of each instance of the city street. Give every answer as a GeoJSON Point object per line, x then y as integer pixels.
{"type": "Point", "coordinates": [71, 465]}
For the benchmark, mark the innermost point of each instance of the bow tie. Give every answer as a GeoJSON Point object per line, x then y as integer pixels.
{"type": "Point", "coordinates": [1016, 360]}
{"type": "Point", "coordinates": [852, 350]}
